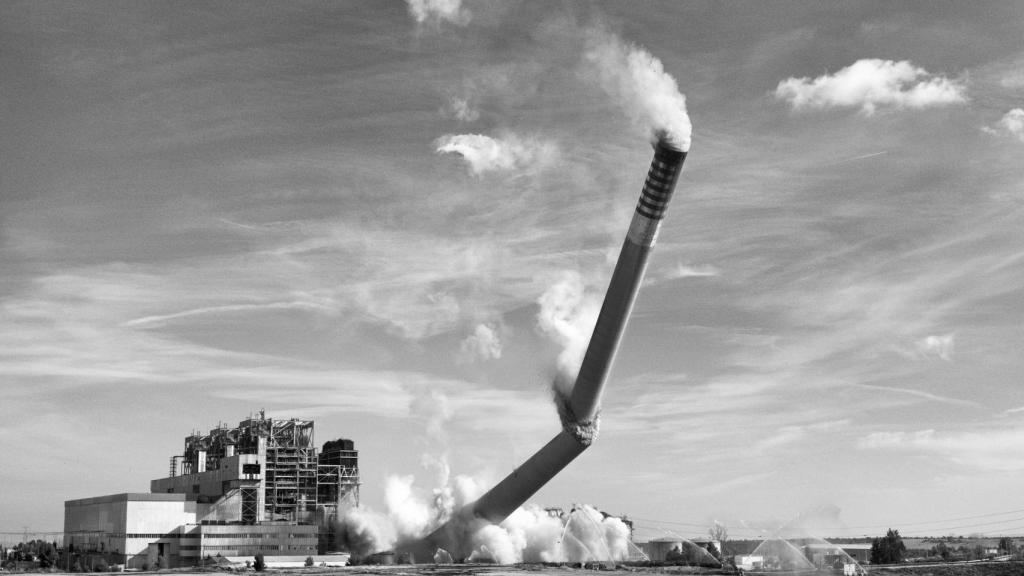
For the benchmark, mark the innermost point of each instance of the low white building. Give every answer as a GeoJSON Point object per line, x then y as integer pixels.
{"type": "Point", "coordinates": [137, 529]}
{"type": "Point", "coordinates": [126, 524]}
{"type": "Point", "coordinates": [749, 561]}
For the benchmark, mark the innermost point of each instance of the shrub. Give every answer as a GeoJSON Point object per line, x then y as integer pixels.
{"type": "Point", "coordinates": [259, 565]}
{"type": "Point", "coordinates": [100, 566]}
{"type": "Point", "coordinates": [309, 561]}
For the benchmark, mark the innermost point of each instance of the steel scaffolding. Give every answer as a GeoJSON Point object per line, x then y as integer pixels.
{"type": "Point", "coordinates": [300, 483]}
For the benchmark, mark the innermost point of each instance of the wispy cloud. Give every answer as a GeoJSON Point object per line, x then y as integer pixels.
{"type": "Point", "coordinates": [795, 433]}
{"type": "Point", "coordinates": [870, 84]}
{"type": "Point", "coordinates": [982, 449]}
{"type": "Point", "coordinates": [322, 391]}
{"type": "Point", "coordinates": [505, 153]}
{"type": "Point", "coordinates": [483, 344]}
{"type": "Point", "coordinates": [860, 157]}
{"type": "Point", "coordinates": [921, 394]}
{"type": "Point", "coordinates": [684, 271]}
{"type": "Point", "coordinates": [435, 12]}
{"type": "Point", "coordinates": [227, 309]}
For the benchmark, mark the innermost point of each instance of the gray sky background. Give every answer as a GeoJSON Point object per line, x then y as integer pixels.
{"type": "Point", "coordinates": [209, 209]}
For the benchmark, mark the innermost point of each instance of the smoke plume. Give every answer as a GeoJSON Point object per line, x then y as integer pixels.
{"type": "Point", "coordinates": [363, 531]}
{"type": "Point", "coordinates": [533, 534]}
{"type": "Point", "coordinates": [530, 534]}
{"type": "Point", "coordinates": [567, 315]}
{"type": "Point", "coordinates": [412, 512]}
{"type": "Point", "coordinates": [638, 82]}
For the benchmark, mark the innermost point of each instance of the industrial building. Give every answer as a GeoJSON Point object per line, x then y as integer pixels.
{"type": "Point", "coordinates": [687, 551]}
{"type": "Point", "coordinates": [260, 487]}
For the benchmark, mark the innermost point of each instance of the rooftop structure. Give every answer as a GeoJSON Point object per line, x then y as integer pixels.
{"type": "Point", "coordinates": [259, 487]}
{"type": "Point", "coordinates": [282, 475]}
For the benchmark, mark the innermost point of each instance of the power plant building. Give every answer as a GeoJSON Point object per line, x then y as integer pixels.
{"type": "Point", "coordinates": [261, 487]}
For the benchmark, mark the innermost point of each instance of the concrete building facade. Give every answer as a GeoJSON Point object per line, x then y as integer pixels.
{"type": "Point", "coordinates": [124, 525]}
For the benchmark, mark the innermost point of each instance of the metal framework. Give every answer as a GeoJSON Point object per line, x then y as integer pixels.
{"type": "Point", "coordinates": [299, 482]}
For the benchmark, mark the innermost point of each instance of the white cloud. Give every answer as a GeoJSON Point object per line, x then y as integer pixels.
{"type": "Point", "coordinates": [1012, 124]}
{"type": "Point", "coordinates": [483, 344]}
{"type": "Point", "coordinates": [683, 271]}
{"type": "Point", "coordinates": [435, 12]}
{"type": "Point", "coordinates": [507, 153]}
{"type": "Point", "coordinates": [940, 346]}
{"type": "Point", "coordinates": [869, 84]}
{"type": "Point", "coordinates": [995, 450]}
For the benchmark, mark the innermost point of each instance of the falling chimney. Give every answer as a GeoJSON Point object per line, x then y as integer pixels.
{"type": "Point", "coordinates": [580, 410]}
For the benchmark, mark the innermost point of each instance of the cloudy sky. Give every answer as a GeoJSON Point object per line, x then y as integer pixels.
{"type": "Point", "coordinates": [357, 212]}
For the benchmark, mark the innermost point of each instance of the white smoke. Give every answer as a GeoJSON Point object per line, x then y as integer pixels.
{"type": "Point", "coordinates": [870, 84]}
{"type": "Point", "coordinates": [434, 12]}
{"type": "Point", "coordinates": [413, 511]}
{"type": "Point", "coordinates": [363, 531]}
{"type": "Point", "coordinates": [531, 534]}
{"type": "Point", "coordinates": [638, 82]}
{"type": "Point", "coordinates": [567, 315]}
{"type": "Point", "coordinates": [433, 407]}
{"type": "Point", "coordinates": [503, 154]}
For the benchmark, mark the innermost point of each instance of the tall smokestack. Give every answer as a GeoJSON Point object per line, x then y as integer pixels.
{"type": "Point", "coordinates": [580, 410]}
{"type": "Point", "coordinates": [585, 401]}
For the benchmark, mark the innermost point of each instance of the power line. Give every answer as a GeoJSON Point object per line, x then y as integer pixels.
{"type": "Point", "coordinates": [931, 525]}
{"type": "Point", "coordinates": [925, 522]}
{"type": "Point", "coordinates": [669, 522]}
{"type": "Point", "coordinates": [964, 526]}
